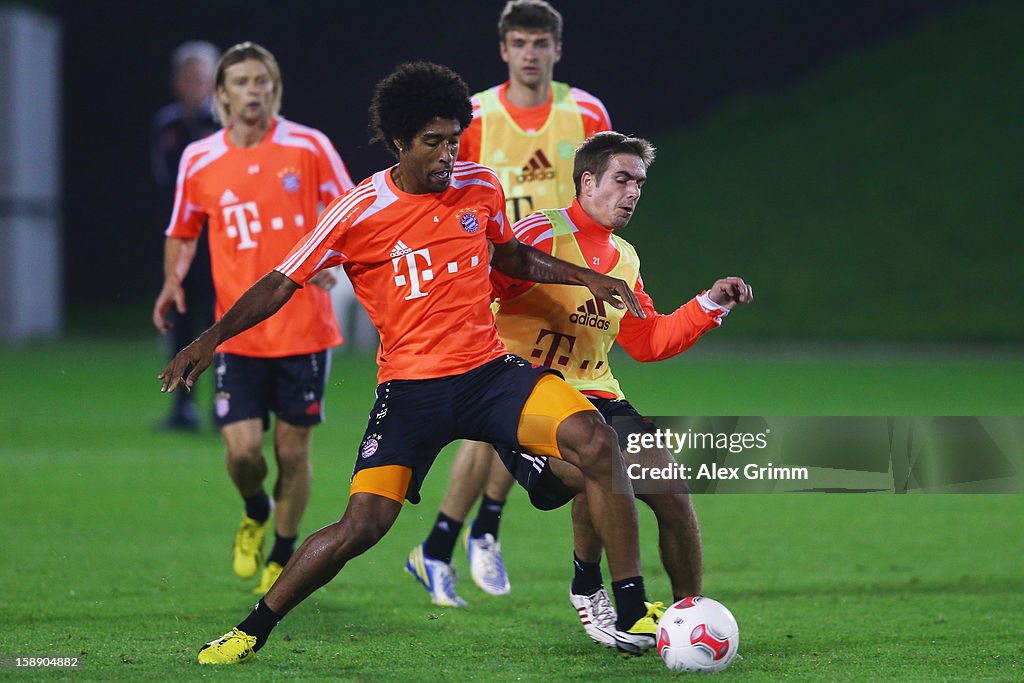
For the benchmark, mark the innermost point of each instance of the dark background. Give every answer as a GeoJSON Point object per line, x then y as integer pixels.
{"type": "Point", "coordinates": [657, 67]}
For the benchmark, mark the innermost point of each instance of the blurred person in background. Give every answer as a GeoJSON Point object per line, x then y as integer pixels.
{"type": "Point", "coordinates": [187, 119]}
{"type": "Point", "coordinates": [257, 186]}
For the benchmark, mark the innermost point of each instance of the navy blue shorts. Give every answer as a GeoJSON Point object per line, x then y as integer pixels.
{"type": "Point", "coordinates": [412, 420]}
{"type": "Point", "coordinates": [532, 472]}
{"type": "Point", "coordinates": [291, 387]}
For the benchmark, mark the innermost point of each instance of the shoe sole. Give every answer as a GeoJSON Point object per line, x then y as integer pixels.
{"type": "Point", "coordinates": [433, 600]}
{"type": "Point", "coordinates": [632, 650]}
{"type": "Point", "coordinates": [491, 591]}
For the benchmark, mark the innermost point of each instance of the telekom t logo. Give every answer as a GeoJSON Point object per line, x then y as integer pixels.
{"type": "Point", "coordinates": [242, 221]}
{"type": "Point", "coordinates": [553, 347]}
{"type": "Point", "coordinates": [416, 276]}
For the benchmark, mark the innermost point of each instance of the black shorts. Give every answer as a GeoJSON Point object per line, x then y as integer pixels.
{"type": "Point", "coordinates": [532, 472]}
{"type": "Point", "coordinates": [291, 387]}
{"type": "Point", "coordinates": [412, 420]}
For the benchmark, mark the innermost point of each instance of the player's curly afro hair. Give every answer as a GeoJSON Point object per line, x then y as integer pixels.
{"type": "Point", "coordinates": [412, 96]}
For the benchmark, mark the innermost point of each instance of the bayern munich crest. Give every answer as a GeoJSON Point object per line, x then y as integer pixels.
{"type": "Point", "coordinates": [469, 222]}
{"type": "Point", "coordinates": [370, 446]}
{"type": "Point", "coordinates": [290, 180]}
{"type": "Point", "coordinates": [222, 403]}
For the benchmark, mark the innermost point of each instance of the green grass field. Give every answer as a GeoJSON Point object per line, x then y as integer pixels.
{"type": "Point", "coordinates": [116, 539]}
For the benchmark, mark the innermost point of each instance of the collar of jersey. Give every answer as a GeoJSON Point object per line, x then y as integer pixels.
{"type": "Point", "coordinates": [408, 196]}
{"type": "Point", "coordinates": [268, 136]}
{"type": "Point", "coordinates": [589, 229]}
{"type": "Point", "coordinates": [515, 111]}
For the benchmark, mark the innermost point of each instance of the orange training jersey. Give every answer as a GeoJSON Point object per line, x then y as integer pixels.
{"type": "Point", "coordinates": [419, 265]}
{"type": "Point", "coordinates": [256, 202]}
{"type": "Point", "coordinates": [592, 110]}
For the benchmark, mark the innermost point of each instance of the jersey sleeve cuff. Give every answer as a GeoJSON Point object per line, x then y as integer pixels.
{"type": "Point", "coordinates": [710, 307]}
{"type": "Point", "coordinates": [301, 283]}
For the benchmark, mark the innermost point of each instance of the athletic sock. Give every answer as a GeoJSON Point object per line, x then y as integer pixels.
{"type": "Point", "coordinates": [283, 549]}
{"type": "Point", "coordinates": [487, 518]}
{"type": "Point", "coordinates": [260, 622]}
{"type": "Point", "coordinates": [629, 601]}
{"type": "Point", "coordinates": [586, 578]}
{"type": "Point", "coordinates": [440, 543]}
{"type": "Point", "coordinates": [258, 507]}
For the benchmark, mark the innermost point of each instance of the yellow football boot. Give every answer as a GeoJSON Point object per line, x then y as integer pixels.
{"type": "Point", "coordinates": [641, 635]}
{"type": "Point", "coordinates": [270, 574]}
{"type": "Point", "coordinates": [247, 555]}
{"type": "Point", "coordinates": [234, 647]}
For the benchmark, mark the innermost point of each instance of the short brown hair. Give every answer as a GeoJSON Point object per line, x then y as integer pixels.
{"type": "Point", "coordinates": [530, 15]}
{"type": "Point", "coordinates": [239, 53]}
{"type": "Point", "coordinates": [595, 153]}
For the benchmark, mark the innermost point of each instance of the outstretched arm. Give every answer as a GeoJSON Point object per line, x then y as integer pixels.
{"type": "Point", "coordinates": [258, 303]}
{"type": "Point", "coordinates": [663, 336]}
{"type": "Point", "coordinates": [526, 263]}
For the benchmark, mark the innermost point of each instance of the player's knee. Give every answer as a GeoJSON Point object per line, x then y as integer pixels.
{"type": "Point", "coordinates": [593, 445]}
{"type": "Point", "coordinates": [248, 457]}
{"type": "Point", "coordinates": [670, 505]}
{"type": "Point", "coordinates": [366, 520]}
{"type": "Point", "coordinates": [294, 463]}
{"type": "Point", "coordinates": [364, 532]}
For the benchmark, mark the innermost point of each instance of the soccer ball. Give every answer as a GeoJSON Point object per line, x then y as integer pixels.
{"type": "Point", "coordinates": [697, 634]}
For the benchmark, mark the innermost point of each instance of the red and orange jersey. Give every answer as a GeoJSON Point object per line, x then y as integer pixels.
{"type": "Point", "coordinates": [256, 202]}
{"type": "Point", "coordinates": [595, 119]}
{"type": "Point", "coordinates": [655, 337]}
{"type": "Point", "coordinates": [419, 265]}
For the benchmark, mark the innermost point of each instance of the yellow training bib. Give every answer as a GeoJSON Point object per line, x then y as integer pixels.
{"type": "Point", "coordinates": [535, 168]}
{"type": "Point", "coordinates": [563, 326]}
